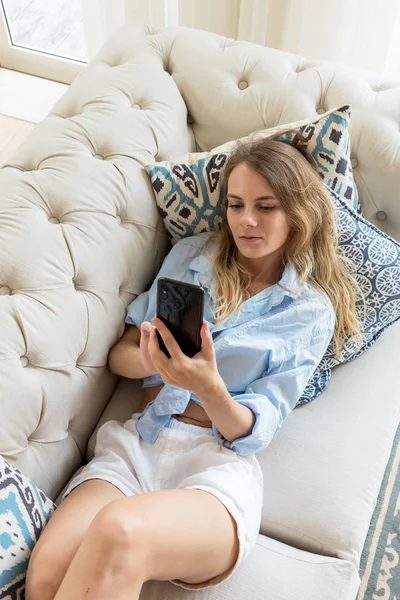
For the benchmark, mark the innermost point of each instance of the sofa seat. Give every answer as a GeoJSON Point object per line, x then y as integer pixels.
{"type": "Point", "coordinates": [285, 573]}
{"type": "Point", "coordinates": [329, 456]}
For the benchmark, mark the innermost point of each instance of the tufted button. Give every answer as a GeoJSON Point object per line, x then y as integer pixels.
{"type": "Point", "coordinates": [321, 110]}
{"type": "Point", "coordinates": [99, 156]}
{"type": "Point", "coordinates": [190, 119]}
{"type": "Point", "coordinates": [151, 30]}
{"type": "Point", "coordinates": [243, 84]}
{"type": "Point", "coordinates": [5, 290]}
{"type": "Point", "coordinates": [354, 162]}
{"type": "Point", "coordinates": [378, 87]}
{"type": "Point", "coordinates": [24, 361]}
{"type": "Point", "coordinates": [118, 219]}
{"type": "Point", "coordinates": [381, 215]}
{"type": "Point", "coordinates": [137, 106]}
{"type": "Point", "coordinates": [53, 220]}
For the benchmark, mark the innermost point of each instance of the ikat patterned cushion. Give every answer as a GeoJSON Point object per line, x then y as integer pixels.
{"type": "Point", "coordinates": [376, 258]}
{"type": "Point", "coordinates": [188, 191]}
{"type": "Point", "coordinates": [24, 511]}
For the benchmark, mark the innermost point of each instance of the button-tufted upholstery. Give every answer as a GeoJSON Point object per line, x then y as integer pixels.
{"type": "Point", "coordinates": [80, 236]}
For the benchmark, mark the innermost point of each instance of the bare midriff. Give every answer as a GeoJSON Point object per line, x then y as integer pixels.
{"type": "Point", "coordinates": [193, 414]}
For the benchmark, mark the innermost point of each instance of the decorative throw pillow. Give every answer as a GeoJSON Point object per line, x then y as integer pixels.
{"type": "Point", "coordinates": [24, 511]}
{"type": "Point", "coordinates": [188, 190]}
{"type": "Point", "coordinates": [376, 257]}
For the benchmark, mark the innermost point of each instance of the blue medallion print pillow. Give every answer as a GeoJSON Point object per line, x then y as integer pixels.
{"type": "Point", "coordinates": [24, 511]}
{"type": "Point", "coordinates": [376, 257]}
{"type": "Point", "coordinates": [188, 191]}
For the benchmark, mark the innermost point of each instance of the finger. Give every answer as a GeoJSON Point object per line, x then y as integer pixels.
{"type": "Point", "coordinates": [157, 355]}
{"type": "Point", "coordinates": [207, 346]}
{"type": "Point", "coordinates": [146, 327]}
{"type": "Point", "coordinates": [168, 339]}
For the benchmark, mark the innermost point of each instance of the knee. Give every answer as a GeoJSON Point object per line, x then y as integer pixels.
{"type": "Point", "coordinates": [115, 524]}
{"type": "Point", "coordinates": [121, 533]}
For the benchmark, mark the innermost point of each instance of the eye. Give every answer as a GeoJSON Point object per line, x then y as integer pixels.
{"type": "Point", "coordinates": [264, 208]}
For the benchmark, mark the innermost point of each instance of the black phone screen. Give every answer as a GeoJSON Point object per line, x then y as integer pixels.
{"type": "Point", "coordinates": [180, 307]}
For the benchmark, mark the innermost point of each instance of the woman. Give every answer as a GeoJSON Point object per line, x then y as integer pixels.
{"type": "Point", "coordinates": [175, 493]}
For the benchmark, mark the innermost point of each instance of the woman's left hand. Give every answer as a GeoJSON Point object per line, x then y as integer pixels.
{"type": "Point", "coordinates": [197, 374]}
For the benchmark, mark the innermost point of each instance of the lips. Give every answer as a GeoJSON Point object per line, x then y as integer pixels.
{"type": "Point", "coordinates": [249, 237]}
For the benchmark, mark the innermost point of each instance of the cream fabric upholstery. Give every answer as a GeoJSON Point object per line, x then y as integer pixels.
{"type": "Point", "coordinates": [273, 571]}
{"type": "Point", "coordinates": [81, 236]}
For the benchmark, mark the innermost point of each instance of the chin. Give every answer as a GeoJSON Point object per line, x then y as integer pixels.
{"type": "Point", "coordinates": [253, 252]}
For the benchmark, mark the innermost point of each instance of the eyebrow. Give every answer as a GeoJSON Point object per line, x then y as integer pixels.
{"type": "Point", "coordinates": [260, 198]}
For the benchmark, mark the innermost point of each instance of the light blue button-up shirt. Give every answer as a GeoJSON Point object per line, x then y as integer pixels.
{"type": "Point", "coordinates": [266, 351]}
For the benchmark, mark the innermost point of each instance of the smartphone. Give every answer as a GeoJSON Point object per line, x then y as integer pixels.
{"type": "Point", "coordinates": [180, 306]}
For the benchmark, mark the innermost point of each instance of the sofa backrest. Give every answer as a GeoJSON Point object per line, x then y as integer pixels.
{"type": "Point", "coordinates": [232, 88]}
{"type": "Point", "coordinates": [80, 235]}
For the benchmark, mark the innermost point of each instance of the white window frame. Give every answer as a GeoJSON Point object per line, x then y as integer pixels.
{"type": "Point", "coordinates": [35, 62]}
{"type": "Point", "coordinates": [100, 18]}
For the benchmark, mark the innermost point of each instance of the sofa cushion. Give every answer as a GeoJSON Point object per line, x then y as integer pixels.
{"type": "Point", "coordinates": [273, 571]}
{"type": "Point", "coordinates": [376, 260]}
{"type": "Point", "coordinates": [323, 470]}
{"type": "Point", "coordinates": [24, 511]}
{"type": "Point", "coordinates": [188, 190]}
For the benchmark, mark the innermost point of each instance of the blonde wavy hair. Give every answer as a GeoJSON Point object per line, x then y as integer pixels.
{"type": "Point", "coordinates": [312, 244]}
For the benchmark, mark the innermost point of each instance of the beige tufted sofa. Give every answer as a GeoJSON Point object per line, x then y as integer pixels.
{"type": "Point", "coordinates": [80, 237]}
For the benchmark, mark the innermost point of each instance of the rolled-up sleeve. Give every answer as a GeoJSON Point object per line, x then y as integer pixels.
{"type": "Point", "coordinates": [272, 397]}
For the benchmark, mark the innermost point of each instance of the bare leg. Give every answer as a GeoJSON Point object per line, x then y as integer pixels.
{"type": "Point", "coordinates": [130, 542]}
{"type": "Point", "coordinates": [63, 535]}
{"type": "Point", "coordinates": [98, 569]}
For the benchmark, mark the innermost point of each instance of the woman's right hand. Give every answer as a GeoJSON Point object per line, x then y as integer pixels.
{"type": "Point", "coordinates": [147, 362]}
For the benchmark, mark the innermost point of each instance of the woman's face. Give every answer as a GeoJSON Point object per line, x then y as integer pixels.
{"type": "Point", "coordinates": [254, 212]}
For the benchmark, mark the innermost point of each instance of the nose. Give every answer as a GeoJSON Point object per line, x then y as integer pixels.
{"type": "Point", "coordinates": [248, 218]}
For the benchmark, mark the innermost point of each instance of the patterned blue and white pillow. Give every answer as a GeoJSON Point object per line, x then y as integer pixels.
{"type": "Point", "coordinates": [24, 511]}
{"type": "Point", "coordinates": [188, 191]}
{"type": "Point", "coordinates": [376, 257]}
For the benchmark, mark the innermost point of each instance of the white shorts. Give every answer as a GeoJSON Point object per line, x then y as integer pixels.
{"type": "Point", "coordinates": [183, 456]}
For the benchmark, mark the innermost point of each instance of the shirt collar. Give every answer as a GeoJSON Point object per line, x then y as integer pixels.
{"type": "Point", "coordinates": [288, 285]}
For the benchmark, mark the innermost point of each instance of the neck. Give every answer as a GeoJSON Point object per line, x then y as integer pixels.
{"type": "Point", "coordinates": [263, 271]}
